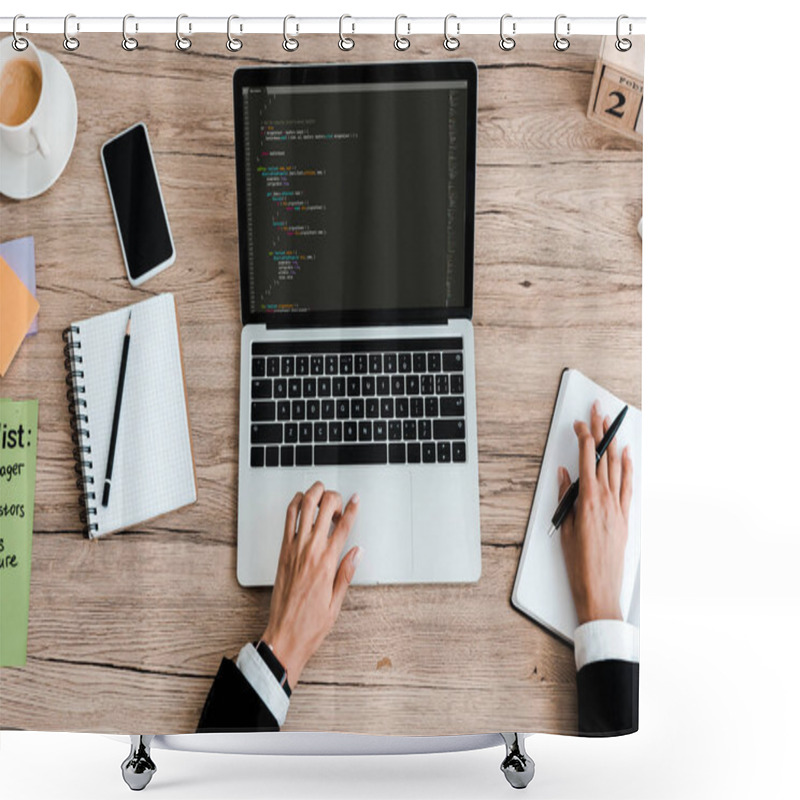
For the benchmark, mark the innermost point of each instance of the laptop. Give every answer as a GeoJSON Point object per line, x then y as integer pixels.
{"type": "Point", "coordinates": [356, 208]}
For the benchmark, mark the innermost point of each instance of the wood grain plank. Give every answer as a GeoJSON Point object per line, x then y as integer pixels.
{"type": "Point", "coordinates": [168, 703]}
{"type": "Point", "coordinates": [369, 652]}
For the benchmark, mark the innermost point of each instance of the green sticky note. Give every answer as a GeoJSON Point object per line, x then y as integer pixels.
{"type": "Point", "coordinates": [18, 428]}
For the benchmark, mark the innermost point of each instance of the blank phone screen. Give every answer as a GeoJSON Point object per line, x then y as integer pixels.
{"type": "Point", "coordinates": [141, 219]}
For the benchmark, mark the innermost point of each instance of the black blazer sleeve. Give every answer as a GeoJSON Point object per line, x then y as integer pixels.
{"type": "Point", "coordinates": [608, 698]}
{"type": "Point", "coordinates": [233, 705]}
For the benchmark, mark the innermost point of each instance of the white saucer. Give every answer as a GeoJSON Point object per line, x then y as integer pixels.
{"type": "Point", "coordinates": [22, 177]}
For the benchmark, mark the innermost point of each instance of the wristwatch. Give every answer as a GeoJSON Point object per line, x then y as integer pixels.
{"type": "Point", "coordinates": [275, 666]}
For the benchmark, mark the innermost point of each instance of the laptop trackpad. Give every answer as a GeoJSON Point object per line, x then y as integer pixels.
{"type": "Point", "coordinates": [383, 524]}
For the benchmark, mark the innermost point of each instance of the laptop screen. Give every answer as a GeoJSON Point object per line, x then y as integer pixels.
{"type": "Point", "coordinates": [358, 192]}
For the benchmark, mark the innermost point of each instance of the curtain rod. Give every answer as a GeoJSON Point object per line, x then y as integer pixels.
{"type": "Point", "coordinates": [296, 25]}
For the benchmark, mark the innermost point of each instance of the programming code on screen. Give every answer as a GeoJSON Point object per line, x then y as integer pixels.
{"type": "Point", "coordinates": [355, 196]}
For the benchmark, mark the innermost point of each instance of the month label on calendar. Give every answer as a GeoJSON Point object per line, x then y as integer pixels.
{"type": "Point", "coordinates": [618, 101]}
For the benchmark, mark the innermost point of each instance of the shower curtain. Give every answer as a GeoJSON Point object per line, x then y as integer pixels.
{"type": "Point", "coordinates": [148, 628]}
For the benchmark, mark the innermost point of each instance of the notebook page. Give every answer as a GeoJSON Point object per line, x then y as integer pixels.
{"type": "Point", "coordinates": [541, 589]}
{"type": "Point", "coordinates": [153, 469]}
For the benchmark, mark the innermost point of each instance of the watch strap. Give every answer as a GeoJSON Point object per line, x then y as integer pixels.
{"type": "Point", "coordinates": [274, 664]}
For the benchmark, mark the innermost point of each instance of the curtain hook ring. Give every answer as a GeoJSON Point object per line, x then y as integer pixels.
{"type": "Point", "coordinates": [71, 43]}
{"type": "Point", "coordinates": [19, 43]}
{"type": "Point", "coordinates": [561, 43]}
{"type": "Point", "coordinates": [451, 42]}
{"type": "Point", "coordinates": [128, 42]}
{"type": "Point", "coordinates": [400, 42]}
{"type": "Point", "coordinates": [507, 42]}
{"type": "Point", "coordinates": [345, 42]}
{"type": "Point", "coordinates": [181, 42]}
{"type": "Point", "coordinates": [233, 44]}
{"type": "Point", "coordinates": [290, 44]}
{"type": "Point", "coordinates": [623, 45]}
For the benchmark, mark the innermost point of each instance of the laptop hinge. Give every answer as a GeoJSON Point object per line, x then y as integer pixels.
{"type": "Point", "coordinates": [291, 321]}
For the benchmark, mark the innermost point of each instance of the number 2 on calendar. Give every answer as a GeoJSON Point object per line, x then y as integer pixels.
{"type": "Point", "coordinates": [615, 109]}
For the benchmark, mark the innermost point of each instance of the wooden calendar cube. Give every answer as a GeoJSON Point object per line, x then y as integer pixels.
{"type": "Point", "coordinates": [617, 95]}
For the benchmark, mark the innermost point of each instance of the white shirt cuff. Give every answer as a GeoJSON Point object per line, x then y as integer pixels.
{"type": "Point", "coordinates": [606, 639]}
{"type": "Point", "coordinates": [263, 681]}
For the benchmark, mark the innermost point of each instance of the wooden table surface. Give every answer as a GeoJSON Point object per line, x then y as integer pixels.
{"type": "Point", "coordinates": [126, 633]}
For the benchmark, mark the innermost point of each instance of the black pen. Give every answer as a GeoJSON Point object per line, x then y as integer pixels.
{"type": "Point", "coordinates": [117, 406]}
{"type": "Point", "coordinates": [571, 495]}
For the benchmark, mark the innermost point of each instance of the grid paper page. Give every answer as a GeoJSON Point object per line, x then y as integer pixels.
{"type": "Point", "coordinates": [541, 589]}
{"type": "Point", "coordinates": [153, 469]}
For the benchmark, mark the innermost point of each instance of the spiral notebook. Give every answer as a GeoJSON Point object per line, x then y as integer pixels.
{"type": "Point", "coordinates": [153, 464]}
{"type": "Point", "coordinates": [541, 589]}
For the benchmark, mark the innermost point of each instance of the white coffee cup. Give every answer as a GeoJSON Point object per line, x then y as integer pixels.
{"type": "Point", "coordinates": [23, 115]}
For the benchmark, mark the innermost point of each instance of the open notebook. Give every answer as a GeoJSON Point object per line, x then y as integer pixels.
{"type": "Point", "coordinates": [153, 465]}
{"type": "Point", "coordinates": [541, 590]}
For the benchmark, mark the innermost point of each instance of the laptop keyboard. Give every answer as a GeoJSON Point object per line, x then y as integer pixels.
{"type": "Point", "coordinates": [359, 402]}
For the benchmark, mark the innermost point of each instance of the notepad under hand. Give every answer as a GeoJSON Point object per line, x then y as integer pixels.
{"type": "Point", "coordinates": [153, 465]}
{"type": "Point", "coordinates": [541, 590]}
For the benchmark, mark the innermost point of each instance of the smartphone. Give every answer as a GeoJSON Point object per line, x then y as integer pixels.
{"type": "Point", "coordinates": [142, 224]}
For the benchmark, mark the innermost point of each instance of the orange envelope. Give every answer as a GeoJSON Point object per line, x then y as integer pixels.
{"type": "Point", "coordinates": [18, 307]}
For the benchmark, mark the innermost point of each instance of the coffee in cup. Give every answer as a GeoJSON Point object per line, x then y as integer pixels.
{"type": "Point", "coordinates": [20, 89]}
{"type": "Point", "coordinates": [25, 100]}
